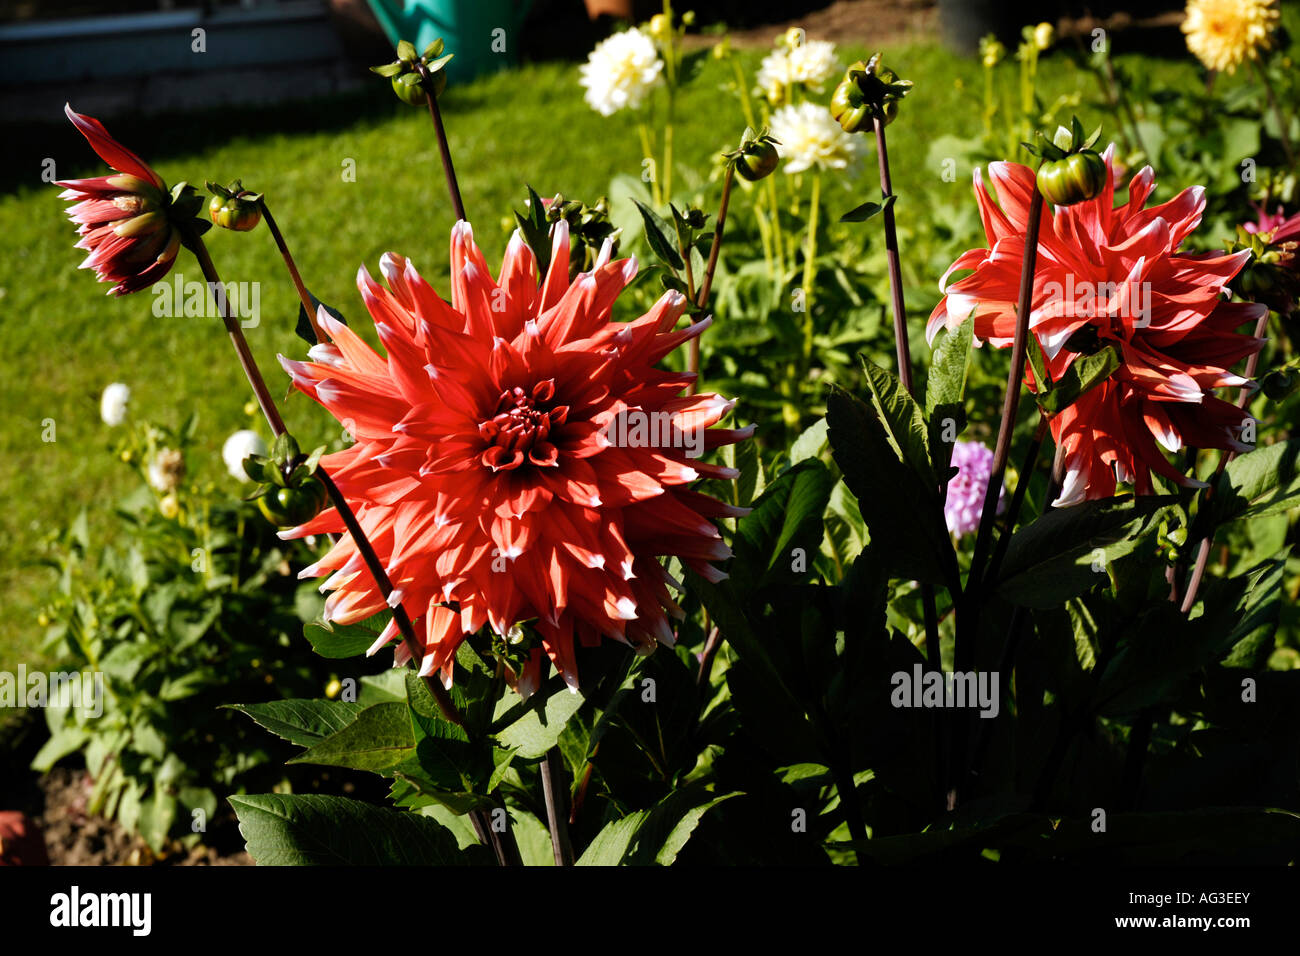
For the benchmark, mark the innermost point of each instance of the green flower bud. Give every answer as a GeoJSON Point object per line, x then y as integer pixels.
{"type": "Point", "coordinates": [867, 91]}
{"type": "Point", "coordinates": [1077, 178]}
{"type": "Point", "coordinates": [233, 207]}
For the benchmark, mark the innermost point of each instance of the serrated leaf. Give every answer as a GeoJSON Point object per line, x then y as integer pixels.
{"type": "Point", "coordinates": [1262, 482]}
{"type": "Point", "coordinates": [533, 727]}
{"type": "Point", "coordinates": [656, 233]}
{"type": "Point", "coordinates": [785, 518]}
{"type": "Point", "coordinates": [1066, 551]}
{"type": "Point", "coordinates": [904, 424]}
{"type": "Point", "coordinates": [304, 722]}
{"type": "Point", "coordinates": [902, 513]}
{"type": "Point", "coordinates": [318, 830]}
{"type": "Point", "coordinates": [339, 641]}
{"type": "Point", "coordinates": [650, 837]}
{"type": "Point", "coordinates": [1084, 373]}
{"type": "Point", "coordinates": [379, 739]}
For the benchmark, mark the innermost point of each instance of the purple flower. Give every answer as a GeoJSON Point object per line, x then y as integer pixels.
{"type": "Point", "coordinates": [974, 464]}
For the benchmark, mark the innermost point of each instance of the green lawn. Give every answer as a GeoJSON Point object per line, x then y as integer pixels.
{"type": "Point", "coordinates": [65, 339]}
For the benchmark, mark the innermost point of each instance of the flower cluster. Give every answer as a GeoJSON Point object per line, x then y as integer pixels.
{"type": "Point", "coordinates": [967, 488]}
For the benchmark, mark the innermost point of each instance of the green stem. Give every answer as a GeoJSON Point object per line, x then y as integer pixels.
{"type": "Point", "coordinates": [444, 149]}
{"type": "Point", "coordinates": [647, 152]}
{"type": "Point", "coordinates": [668, 154]}
{"type": "Point", "coordinates": [706, 284]}
{"type": "Point", "coordinates": [557, 816]}
{"type": "Point", "coordinates": [303, 295]}
{"type": "Point", "coordinates": [778, 238]}
{"type": "Point", "coordinates": [810, 267]}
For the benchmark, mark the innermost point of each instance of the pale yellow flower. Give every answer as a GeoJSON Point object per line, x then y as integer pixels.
{"type": "Point", "coordinates": [1044, 35]}
{"type": "Point", "coordinates": [991, 51]}
{"type": "Point", "coordinates": [1225, 33]}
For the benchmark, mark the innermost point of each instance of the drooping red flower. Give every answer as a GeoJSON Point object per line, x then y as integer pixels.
{"type": "Point", "coordinates": [498, 469]}
{"type": "Point", "coordinates": [1113, 275]}
{"type": "Point", "coordinates": [122, 219]}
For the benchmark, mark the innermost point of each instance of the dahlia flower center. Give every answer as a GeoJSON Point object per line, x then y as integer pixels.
{"type": "Point", "coordinates": [520, 427]}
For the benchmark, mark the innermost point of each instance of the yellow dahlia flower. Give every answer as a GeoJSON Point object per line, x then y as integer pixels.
{"type": "Point", "coordinates": [1225, 33]}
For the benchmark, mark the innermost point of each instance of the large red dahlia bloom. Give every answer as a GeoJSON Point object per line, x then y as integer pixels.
{"type": "Point", "coordinates": [1112, 275]}
{"type": "Point", "coordinates": [122, 219]}
{"type": "Point", "coordinates": [499, 469]}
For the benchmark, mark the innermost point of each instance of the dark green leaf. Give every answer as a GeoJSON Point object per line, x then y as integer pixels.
{"type": "Point", "coordinates": [867, 210]}
{"type": "Point", "coordinates": [316, 830]}
{"type": "Point", "coordinates": [1067, 550]}
{"type": "Point", "coordinates": [1085, 372]}
{"type": "Point", "coordinates": [1262, 482]}
{"type": "Point", "coordinates": [304, 722]}
{"type": "Point", "coordinates": [337, 641]}
{"type": "Point", "coordinates": [380, 738]}
{"type": "Point", "coordinates": [902, 513]}
{"type": "Point", "coordinates": [656, 233]}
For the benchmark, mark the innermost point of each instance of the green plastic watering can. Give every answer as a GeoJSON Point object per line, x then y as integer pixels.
{"type": "Point", "coordinates": [484, 34]}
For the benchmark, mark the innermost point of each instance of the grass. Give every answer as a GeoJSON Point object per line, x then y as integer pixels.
{"type": "Point", "coordinates": [65, 340]}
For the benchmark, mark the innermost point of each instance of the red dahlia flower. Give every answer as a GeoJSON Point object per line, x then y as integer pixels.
{"type": "Point", "coordinates": [123, 219]}
{"type": "Point", "coordinates": [494, 468]}
{"type": "Point", "coordinates": [1113, 275]}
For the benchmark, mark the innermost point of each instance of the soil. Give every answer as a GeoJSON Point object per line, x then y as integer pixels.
{"type": "Point", "coordinates": [851, 21]}
{"type": "Point", "coordinates": [74, 839]}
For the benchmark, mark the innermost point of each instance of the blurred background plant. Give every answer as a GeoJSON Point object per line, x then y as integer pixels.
{"type": "Point", "coordinates": [190, 595]}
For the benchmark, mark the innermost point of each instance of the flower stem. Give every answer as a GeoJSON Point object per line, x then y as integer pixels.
{"type": "Point", "coordinates": [246, 360]}
{"type": "Point", "coordinates": [778, 238]}
{"type": "Point", "coordinates": [1203, 548]}
{"type": "Point", "coordinates": [902, 344]}
{"type": "Point", "coordinates": [1011, 402]}
{"type": "Point", "coordinates": [706, 283]}
{"type": "Point", "coordinates": [557, 817]}
{"type": "Point", "coordinates": [971, 601]}
{"type": "Point", "coordinates": [273, 419]}
{"type": "Point", "coordinates": [303, 295]}
{"type": "Point", "coordinates": [668, 153]}
{"type": "Point", "coordinates": [647, 152]}
{"type": "Point", "coordinates": [435, 113]}
{"type": "Point", "coordinates": [743, 87]}
{"type": "Point", "coordinates": [810, 267]}
{"type": "Point", "coordinates": [1017, 499]}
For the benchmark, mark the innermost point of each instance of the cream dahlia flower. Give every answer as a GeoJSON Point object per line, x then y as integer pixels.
{"type": "Point", "coordinates": [809, 136]}
{"type": "Point", "coordinates": [621, 71]}
{"type": "Point", "coordinates": [811, 64]}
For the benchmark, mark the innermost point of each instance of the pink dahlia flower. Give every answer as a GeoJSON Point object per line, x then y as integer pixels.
{"type": "Point", "coordinates": [1113, 275]}
{"type": "Point", "coordinates": [497, 467]}
{"type": "Point", "coordinates": [122, 219]}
